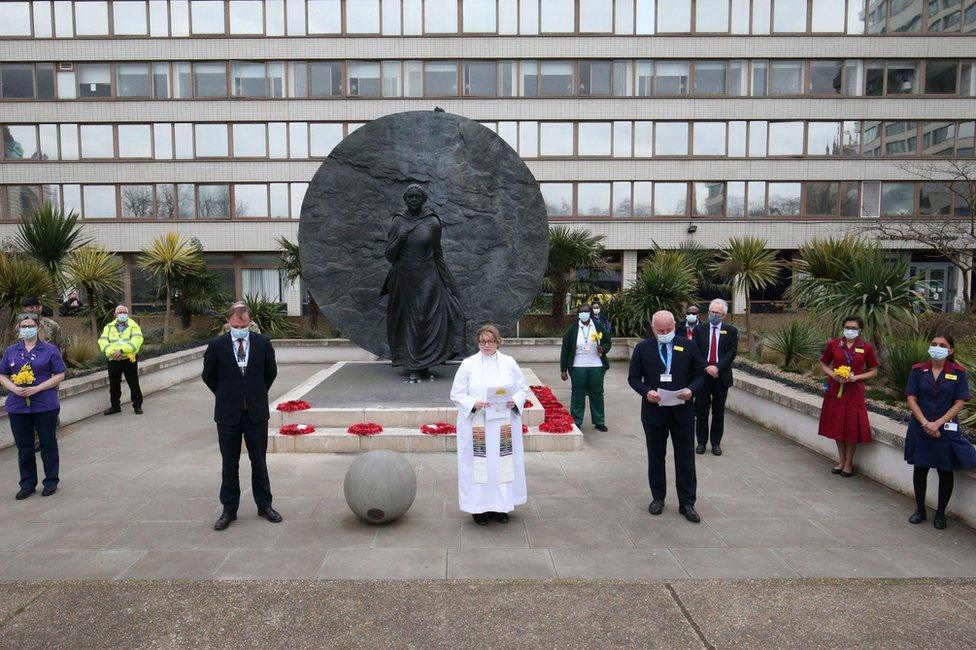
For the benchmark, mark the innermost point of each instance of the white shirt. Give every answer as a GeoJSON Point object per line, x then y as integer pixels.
{"type": "Point", "coordinates": [247, 351]}
{"type": "Point", "coordinates": [586, 354]}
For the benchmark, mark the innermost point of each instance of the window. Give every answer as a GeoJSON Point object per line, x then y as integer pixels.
{"type": "Point", "coordinates": [671, 139]}
{"type": "Point", "coordinates": [137, 201]}
{"type": "Point", "coordinates": [935, 199]}
{"type": "Point", "coordinates": [274, 17]}
{"type": "Point", "coordinates": [593, 199]}
{"type": "Point", "coordinates": [326, 78]}
{"type": "Point", "coordinates": [757, 139]}
{"type": "Point", "coordinates": [556, 78]}
{"type": "Point", "coordinates": [297, 191]}
{"type": "Point", "coordinates": [556, 139]}
{"type": "Point", "coordinates": [94, 80]}
{"type": "Point", "coordinates": [621, 140]}
{"type": "Point", "coordinates": [786, 77]}
{"type": "Point", "coordinates": [594, 78]}
{"type": "Point", "coordinates": [944, 16]}
{"type": "Point", "coordinates": [249, 140]}
{"type": "Point", "coordinates": [277, 140]}
{"type": "Point", "coordinates": [279, 199]}
{"type": "Point", "coordinates": [440, 78]}
{"type": "Point", "coordinates": [49, 141]}
{"type": "Point", "coordinates": [99, 201]}
{"type": "Point", "coordinates": [20, 142]}
{"type": "Point", "coordinates": [940, 77]}
{"type": "Point", "coordinates": [621, 199]}
{"type": "Point", "coordinates": [324, 16]}
{"type": "Point", "coordinates": [91, 18]}
{"type": "Point", "coordinates": [528, 136]}
{"type": "Point", "coordinates": [786, 138]}
{"type": "Point", "coordinates": [784, 199]}
{"type": "Point", "coordinates": [265, 283]}
{"type": "Point", "coordinates": [251, 200]}
{"type": "Point", "coordinates": [214, 202]}
{"type": "Point", "coordinates": [825, 77]}
{"type": "Point", "coordinates": [186, 201]}
{"type": "Point", "coordinates": [709, 139]}
{"type": "Point", "coordinates": [901, 138]}
{"type": "Point", "coordinates": [642, 199]}
{"type": "Point", "coordinates": [69, 142]}
{"type": "Point", "coordinates": [710, 77]}
{"type": "Point", "coordinates": [874, 79]}
{"type": "Point", "coordinates": [479, 16]}
{"type": "Point", "coordinates": [298, 139]}
{"type": "Point", "coordinates": [712, 16]}
{"type": "Point", "coordinates": [135, 141]}
{"type": "Point", "coordinates": [851, 139]}
{"type": "Point", "coordinates": [670, 199]}
{"type": "Point", "coordinates": [163, 141]}
{"type": "Point", "coordinates": [129, 19]}
{"type": "Point", "coordinates": [324, 138]}
{"type": "Point", "coordinates": [440, 16]}
{"type": "Point", "coordinates": [906, 16]}
{"type": "Point", "coordinates": [71, 195]}
{"type": "Point", "coordinates": [756, 198]}
{"type": "Point", "coordinates": [15, 19]}
{"type": "Point", "coordinates": [849, 199]}
{"type": "Point", "coordinates": [507, 16]}
{"type": "Point", "coordinates": [63, 21]}
{"type": "Point", "coordinates": [789, 16]}
{"type": "Point", "coordinates": [364, 78]}
{"type": "Point", "coordinates": [207, 16]}
{"type": "Point", "coordinates": [760, 78]}
{"type": "Point", "coordinates": [362, 16]}
{"type": "Point", "coordinates": [737, 139]}
{"type": "Point", "coordinates": [480, 78]}
{"type": "Point", "coordinates": [132, 79]}
{"type": "Point", "coordinates": [643, 139]}
{"type": "Point", "coordinates": [738, 79]}
{"type": "Point", "coordinates": [964, 139]}
{"type": "Point", "coordinates": [709, 199]}
{"type": "Point", "coordinates": [558, 16]}
{"type": "Point", "coordinates": [246, 17]}
{"type": "Point", "coordinates": [902, 77]}
{"type": "Point", "coordinates": [823, 138]}
{"type": "Point", "coordinates": [623, 78]}
{"type": "Point", "coordinates": [558, 198]}
{"type": "Point", "coordinates": [210, 79]}
{"type": "Point", "coordinates": [594, 138]}
{"type": "Point", "coordinates": [761, 12]}
{"type": "Point", "coordinates": [822, 199]}
{"type": "Point", "coordinates": [871, 138]}
{"type": "Point", "coordinates": [853, 78]}
{"type": "Point", "coordinates": [897, 199]}
{"type": "Point", "coordinates": [828, 16]}
{"type": "Point", "coordinates": [937, 138]}
{"type": "Point", "coordinates": [735, 199]}
{"type": "Point", "coordinates": [210, 140]}
{"type": "Point", "coordinates": [674, 16]}
{"type": "Point", "coordinates": [248, 79]}
{"type": "Point", "coordinates": [96, 141]}
{"type": "Point", "coordinates": [671, 78]}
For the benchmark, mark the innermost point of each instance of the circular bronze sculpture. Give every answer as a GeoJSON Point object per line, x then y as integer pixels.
{"type": "Point", "coordinates": [409, 275]}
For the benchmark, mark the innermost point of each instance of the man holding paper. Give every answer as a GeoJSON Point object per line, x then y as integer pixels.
{"type": "Point", "coordinates": [667, 374]}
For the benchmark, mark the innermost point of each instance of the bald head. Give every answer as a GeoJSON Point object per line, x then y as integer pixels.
{"type": "Point", "coordinates": [662, 322]}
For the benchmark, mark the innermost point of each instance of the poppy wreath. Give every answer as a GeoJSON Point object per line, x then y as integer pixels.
{"type": "Point", "coordinates": [558, 419]}
{"type": "Point", "coordinates": [365, 429]}
{"type": "Point", "coordinates": [528, 404]}
{"type": "Point", "coordinates": [296, 430]}
{"type": "Point", "coordinates": [438, 429]}
{"type": "Point", "coordinates": [294, 405]}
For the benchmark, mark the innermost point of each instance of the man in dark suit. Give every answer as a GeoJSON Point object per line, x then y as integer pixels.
{"type": "Point", "coordinates": [718, 344]}
{"type": "Point", "coordinates": [666, 363]}
{"type": "Point", "coordinates": [239, 368]}
{"type": "Point", "coordinates": [691, 324]}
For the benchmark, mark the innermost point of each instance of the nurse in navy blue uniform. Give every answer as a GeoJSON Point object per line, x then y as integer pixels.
{"type": "Point", "coordinates": [937, 391]}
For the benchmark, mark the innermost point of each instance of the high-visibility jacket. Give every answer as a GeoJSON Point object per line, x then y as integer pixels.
{"type": "Point", "coordinates": [128, 341]}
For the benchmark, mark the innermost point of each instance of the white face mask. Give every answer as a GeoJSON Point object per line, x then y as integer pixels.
{"type": "Point", "coordinates": [691, 319]}
{"type": "Point", "coordinates": [596, 311]}
{"type": "Point", "coordinates": [584, 316]}
{"type": "Point", "coordinates": [665, 338]}
{"type": "Point", "coordinates": [851, 334]}
{"type": "Point", "coordinates": [239, 332]}
{"type": "Point", "coordinates": [937, 353]}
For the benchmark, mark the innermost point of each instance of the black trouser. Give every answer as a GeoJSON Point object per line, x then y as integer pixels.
{"type": "Point", "coordinates": [711, 401]}
{"type": "Point", "coordinates": [679, 427]}
{"type": "Point", "coordinates": [946, 481]}
{"type": "Point", "coordinates": [116, 370]}
{"type": "Point", "coordinates": [255, 434]}
{"type": "Point", "coordinates": [23, 426]}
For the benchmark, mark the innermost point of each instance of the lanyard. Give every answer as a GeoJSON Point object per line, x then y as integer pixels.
{"type": "Point", "coordinates": [24, 361]}
{"type": "Point", "coordinates": [848, 354]}
{"type": "Point", "coordinates": [586, 334]}
{"type": "Point", "coordinates": [666, 362]}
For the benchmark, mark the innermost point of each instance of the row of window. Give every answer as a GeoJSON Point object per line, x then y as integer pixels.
{"type": "Point", "coordinates": [618, 139]}
{"type": "Point", "coordinates": [621, 199]}
{"type": "Point", "coordinates": [488, 78]}
{"type": "Point", "coordinates": [179, 18]}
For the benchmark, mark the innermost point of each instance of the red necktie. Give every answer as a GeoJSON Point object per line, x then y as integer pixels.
{"type": "Point", "coordinates": [688, 333]}
{"type": "Point", "coordinates": [713, 351]}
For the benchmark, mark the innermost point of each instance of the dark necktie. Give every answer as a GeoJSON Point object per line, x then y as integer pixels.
{"type": "Point", "coordinates": [241, 356]}
{"type": "Point", "coordinates": [713, 351]}
{"type": "Point", "coordinates": [664, 355]}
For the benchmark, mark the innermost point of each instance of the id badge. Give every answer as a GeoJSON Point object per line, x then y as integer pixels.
{"type": "Point", "coordinates": [666, 379]}
{"type": "Point", "coordinates": [586, 348]}
{"type": "Point", "coordinates": [951, 426]}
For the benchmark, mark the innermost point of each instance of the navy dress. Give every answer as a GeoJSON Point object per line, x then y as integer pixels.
{"type": "Point", "coordinates": [951, 450]}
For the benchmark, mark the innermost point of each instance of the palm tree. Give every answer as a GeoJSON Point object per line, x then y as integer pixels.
{"type": "Point", "coordinates": [748, 265]}
{"type": "Point", "coordinates": [702, 261]}
{"type": "Point", "coordinates": [570, 253]}
{"type": "Point", "coordinates": [98, 272]}
{"type": "Point", "coordinates": [20, 277]}
{"type": "Point", "coordinates": [290, 265]}
{"type": "Point", "coordinates": [665, 280]}
{"type": "Point", "coordinates": [168, 258]}
{"type": "Point", "coordinates": [48, 235]}
{"type": "Point", "coordinates": [193, 294]}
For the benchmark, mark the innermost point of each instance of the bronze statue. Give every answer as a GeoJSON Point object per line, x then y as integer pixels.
{"type": "Point", "coordinates": [424, 318]}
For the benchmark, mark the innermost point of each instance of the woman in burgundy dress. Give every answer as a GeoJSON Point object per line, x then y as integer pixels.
{"type": "Point", "coordinates": [844, 415]}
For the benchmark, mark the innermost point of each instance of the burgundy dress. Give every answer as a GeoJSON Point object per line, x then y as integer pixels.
{"type": "Point", "coordinates": [845, 418]}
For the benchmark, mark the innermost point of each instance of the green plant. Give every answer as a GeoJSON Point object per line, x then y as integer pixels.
{"type": "Point", "coordinates": [796, 340]}
{"type": "Point", "coordinates": [290, 266]}
{"type": "Point", "coordinates": [48, 235]}
{"type": "Point", "coordinates": [196, 293]}
{"type": "Point", "coordinates": [702, 261]}
{"type": "Point", "coordinates": [170, 258]}
{"type": "Point", "coordinates": [98, 272]}
{"type": "Point", "coordinates": [665, 280]}
{"type": "Point", "coordinates": [748, 265]}
{"type": "Point", "coordinates": [571, 252]}
{"type": "Point", "coordinates": [899, 356]}
{"type": "Point", "coordinates": [270, 316]}
{"type": "Point", "coordinates": [20, 278]}
{"type": "Point", "coordinates": [81, 352]}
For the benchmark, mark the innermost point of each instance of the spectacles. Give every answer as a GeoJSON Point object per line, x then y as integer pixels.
{"type": "Point", "coordinates": [487, 342]}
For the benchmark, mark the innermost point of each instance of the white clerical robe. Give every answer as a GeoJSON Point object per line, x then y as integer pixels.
{"type": "Point", "coordinates": [491, 464]}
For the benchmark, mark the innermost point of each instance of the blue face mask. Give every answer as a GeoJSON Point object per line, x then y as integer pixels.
{"type": "Point", "coordinates": [122, 317]}
{"type": "Point", "coordinates": [938, 353]}
{"type": "Point", "coordinates": [238, 332]}
{"type": "Point", "coordinates": [714, 320]}
{"type": "Point", "coordinates": [28, 333]}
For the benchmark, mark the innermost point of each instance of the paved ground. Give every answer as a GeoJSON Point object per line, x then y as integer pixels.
{"type": "Point", "coordinates": [139, 495]}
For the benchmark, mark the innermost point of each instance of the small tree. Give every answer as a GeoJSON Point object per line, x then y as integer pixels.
{"type": "Point", "coordinates": [168, 258]}
{"type": "Point", "coordinates": [20, 277]}
{"type": "Point", "coordinates": [666, 280]}
{"type": "Point", "coordinates": [290, 265]}
{"type": "Point", "coordinates": [48, 235]}
{"type": "Point", "coordinates": [196, 293]}
{"type": "Point", "coordinates": [748, 265]}
{"type": "Point", "coordinates": [98, 272]}
{"type": "Point", "coordinates": [953, 236]}
{"type": "Point", "coordinates": [570, 253]}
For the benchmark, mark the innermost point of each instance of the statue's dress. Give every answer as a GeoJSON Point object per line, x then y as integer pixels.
{"type": "Point", "coordinates": [424, 319]}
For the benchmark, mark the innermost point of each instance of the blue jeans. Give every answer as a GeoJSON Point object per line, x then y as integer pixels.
{"type": "Point", "coordinates": [23, 425]}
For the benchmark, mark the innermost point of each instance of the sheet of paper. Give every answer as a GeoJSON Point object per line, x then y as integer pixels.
{"type": "Point", "coordinates": [497, 396]}
{"type": "Point", "coordinates": [669, 397]}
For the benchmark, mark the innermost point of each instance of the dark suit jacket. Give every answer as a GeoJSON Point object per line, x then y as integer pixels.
{"type": "Point", "coordinates": [568, 352]}
{"type": "Point", "coordinates": [233, 390]}
{"type": "Point", "coordinates": [728, 347]}
{"type": "Point", "coordinates": [687, 371]}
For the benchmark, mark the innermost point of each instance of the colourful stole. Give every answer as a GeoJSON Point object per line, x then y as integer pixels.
{"type": "Point", "coordinates": [506, 461]}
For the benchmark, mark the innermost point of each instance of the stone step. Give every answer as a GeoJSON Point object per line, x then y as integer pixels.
{"type": "Point", "coordinates": [388, 418]}
{"type": "Point", "coordinates": [338, 440]}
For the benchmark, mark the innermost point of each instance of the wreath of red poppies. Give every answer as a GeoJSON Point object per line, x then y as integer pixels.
{"type": "Point", "coordinates": [294, 405]}
{"type": "Point", "coordinates": [296, 430]}
{"type": "Point", "coordinates": [438, 429]}
{"type": "Point", "coordinates": [558, 419]}
{"type": "Point", "coordinates": [365, 429]}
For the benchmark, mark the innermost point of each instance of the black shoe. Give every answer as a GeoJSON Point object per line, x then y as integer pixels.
{"type": "Point", "coordinates": [918, 517]}
{"type": "Point", "coordinates": [656, 507]}
{"type": "Point", "coordinates": [49, 490]}
{"type": "Point", "coordinates": [689, 513]}
{"type": "Point", "coordinates": [270, 514]}
{"type": "Point", "coordinates": [112, 411]}
{"type": "Point", "coordinates": [716, 450]}
{"type": "Point", "coordinates": [700, 449]}
{"type": "Point", "coordinates": [23, 494]}
{"type": "Point", "coordinates": [601, 427]}
{"type": "Point", "coordinates": [847, 474]}
{"type": "Point", "coordinates": [501, 517]}
{"type": "Point", "coordinates": [836, 470]}
{"type": "Point", "coordinates": [137, 410]}
{"type": "Point", "coordinates": [223, 521]}
{"type": "Point", "coordinates": [480, 518]}
{"type": "Point", "coordinates": [939, 520]}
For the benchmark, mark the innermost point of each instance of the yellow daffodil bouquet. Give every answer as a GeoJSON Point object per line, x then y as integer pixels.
{"type": "Point", "coordinates": [844, 372]}
{"type": "Point", "coordinates": [25, 377]}
{"type": "Point", "coordinates": [596, 337]}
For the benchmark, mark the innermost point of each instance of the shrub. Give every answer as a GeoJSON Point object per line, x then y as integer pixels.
{"type": "Point", "coordinates": [797, 340]}
{"type": "Point", "coordinates": [270, 316]}
{"type": "Point", "coordinates": [898, 357]}
{"type": "Point", "coordinates": [81, 352]}
{"type": "Point", "coordinates": [665, 281]}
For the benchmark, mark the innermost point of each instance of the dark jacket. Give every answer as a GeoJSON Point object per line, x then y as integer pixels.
{"type": "Point", "coordinates": [568, 353]}
{"type": "Point", "coordinates": [233, 389]}
{"type": "Point", "coordinates": [687, 371]}
{"type": "Point", "coordinates": [728, 347]}
{"type": "Point", "coordinates": [682, 330]}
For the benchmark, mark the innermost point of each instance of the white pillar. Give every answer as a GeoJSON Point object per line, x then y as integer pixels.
{"type": "Point", "coordinates": [293, 298]}
{"type": "Point", "coordinates": [629, 270]}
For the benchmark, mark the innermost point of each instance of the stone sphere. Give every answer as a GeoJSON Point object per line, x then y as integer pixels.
{"type": "Point", "coordinates": [380, 486]}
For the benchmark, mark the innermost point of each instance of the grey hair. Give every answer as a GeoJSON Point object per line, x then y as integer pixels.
{"type": "Point", "coordinates": [719, 301]}
{"type": "Point", "coordinates": [415, 186]}
{"type": "Point", "coordinates": [28, 316]}
{"type": "Point", "coordinates": [238, 309]}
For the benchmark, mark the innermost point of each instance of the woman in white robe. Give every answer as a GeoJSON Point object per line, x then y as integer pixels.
{"type": "Point", "coordinates": [491, 464]}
